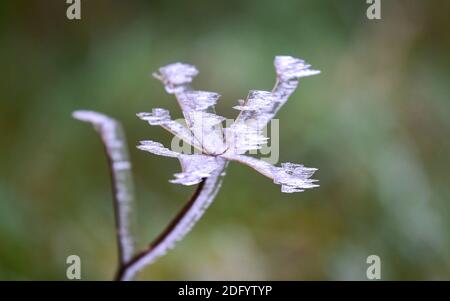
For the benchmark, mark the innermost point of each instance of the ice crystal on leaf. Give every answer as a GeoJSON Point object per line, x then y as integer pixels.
{"type": "Point", "coordinates": [205, 129]}
{"type": "Point", "coordinates": [176, 76]}
{"type": "Point", "coordinates": [194, 167]}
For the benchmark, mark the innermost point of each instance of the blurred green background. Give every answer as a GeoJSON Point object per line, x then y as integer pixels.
{"type": "Point", "coordinates": [375, 122]}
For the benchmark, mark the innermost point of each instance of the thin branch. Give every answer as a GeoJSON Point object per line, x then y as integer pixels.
{"type": "Point", "coordinates": [113, 138]}
{"type": "Point", "coordinates": [179, 226]}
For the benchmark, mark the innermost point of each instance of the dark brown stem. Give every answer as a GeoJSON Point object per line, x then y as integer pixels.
{"type": "Point", "coordinates": [164, 234]}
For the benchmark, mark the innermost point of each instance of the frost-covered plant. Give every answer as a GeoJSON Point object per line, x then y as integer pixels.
{"type": "Point", "coordinates": [215, 147]}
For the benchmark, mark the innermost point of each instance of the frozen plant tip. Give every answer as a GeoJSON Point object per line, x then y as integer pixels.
{"type": "Point", "coordinates": [204, 129]}
{"type": "Point", "coordinates": [215, 147]}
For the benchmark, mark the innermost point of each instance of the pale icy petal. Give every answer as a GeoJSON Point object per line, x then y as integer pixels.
{"type": "Point", "coordinates": [289, 70]}
{"type": "Point", "coordinates": [198, 111]}
{"type": "Point", "coordinates": [200, 100]}
{"type": "Point", "coordinates": [207, 129]}
{"type": "Point", "coordinates": [157, 149]}
{"type": "Point", "coordinates": [256, 100]}
{"type": "Point", "coordinates": [289, 67]}
{"type": "Point", "coordinates": [194, 167]}
{"type": "Point", "coordinates": [262, 106]}
{"type": "Point", "coordinates": [176, 77]}
{"type": "Point", "coordinates": [244, 136]}
{"type": "Point", "coordinates": [156, 117]}
{"type": "Point", "coordinates": [196, 101]}
{"type": "Point", "coordinates": [292, 177]}
{"type": "Point", "coordinates": [162, 117]}
{"type": "Point", "coordinates": [257, 107]}
{"type": "Point", "coordinates": [246, 132]}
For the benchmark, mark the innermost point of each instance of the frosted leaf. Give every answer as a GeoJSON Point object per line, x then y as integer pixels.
{"type": "Point", "coordinates": [195, 169]}
{"type": "Point", "coordinates": [242, 137]}
{"type": "Point", "coordinates": [200, 100]}
{"type": "Point", "coordinates": [208, 120]}
{"type": "Point", "coordinates": [256, 101]}
{"type": "Point", "coordinates": [157, 149]}
{"type": "Point", "coordinates": [176, 77]}
{"type": "Point", "coordinates": [262, 105]}
{"type": "Point", "coordinates": [196, 101]}
{"type": "Point", "coordinates": [298, 170]}
{"type": "Point", "coordinates": [260, 166]}
{"type": "Point", "coordinates": [292, 177]}
{"type": "Point", "coordinates": [290, 189]}
{"type": "Point", "coordinates": [246, 132]}
{"type": "Point", "coordinates": [289, 67]}
{"type": "Point", "coordinates": [156, 117]}
{"type": "Point", "coordinates": [207, 129]}
{"type": "Point", "coordinates": [162, 117]}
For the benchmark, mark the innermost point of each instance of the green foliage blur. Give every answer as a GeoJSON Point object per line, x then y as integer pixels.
{"type": "Point", "coordinates": [375, 122]}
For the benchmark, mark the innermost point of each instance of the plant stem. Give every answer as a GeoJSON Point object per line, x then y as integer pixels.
{"type": "Point", "coordinates": [178, 227]}
{"type": "Point", "coordinates": [113, 138]}
{"type": "Point", "coordinates": [114, 142]}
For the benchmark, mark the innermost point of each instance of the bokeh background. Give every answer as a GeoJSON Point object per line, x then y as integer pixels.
{"type": "Point", "coordinates": [375, 122]}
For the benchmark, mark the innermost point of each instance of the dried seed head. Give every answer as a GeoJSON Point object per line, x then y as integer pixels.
{"type": "Point", "coordinates": [205, 130]}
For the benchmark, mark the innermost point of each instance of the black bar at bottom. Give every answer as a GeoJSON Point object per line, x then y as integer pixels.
{"type": "Point", "coordinates": [224, 289]}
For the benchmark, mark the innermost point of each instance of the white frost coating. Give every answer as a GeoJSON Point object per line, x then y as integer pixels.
{"type": "Point", "coordinates": [207, 129]}
{"type": "Point", "coordinates": [200, 100]}
{"type": "Point", "coordinates": [262, 105]}
{"type": "Point", "coordinates": [176, 79]}
{"type": "Point", "coordinates": [256, 101]}
{"type": "Point", "coordinates": [207, 134]}
{"type": "Point", "coordinates": [292, 177]}
{"type": "Point", "coordinates": [176, 76]}
{"type": "Point", "coordinates": [289, 67]}
{"type": "Point", "coordinates": [242, 137]}
{"type": "Point", "coordinates": [119, 165]}
{"type": "Point", "coordinates": [162, 117]}
{"type": "Point", "coordinates": [195, 169]}
{"type": "Point", "coordinates": [157, 149]}
{"type": "Point", "coordinates": [156, 117]}
{"type": "Point", "coordinates": [198, 103]}
{"type": "Point", "coordinates": [289, 70]}
{"type": "Point", "coordinates": [113, 138]}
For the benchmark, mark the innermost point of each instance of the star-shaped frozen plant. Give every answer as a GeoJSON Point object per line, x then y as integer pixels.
{"type": "Point", "coordinates": [215, 144]}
